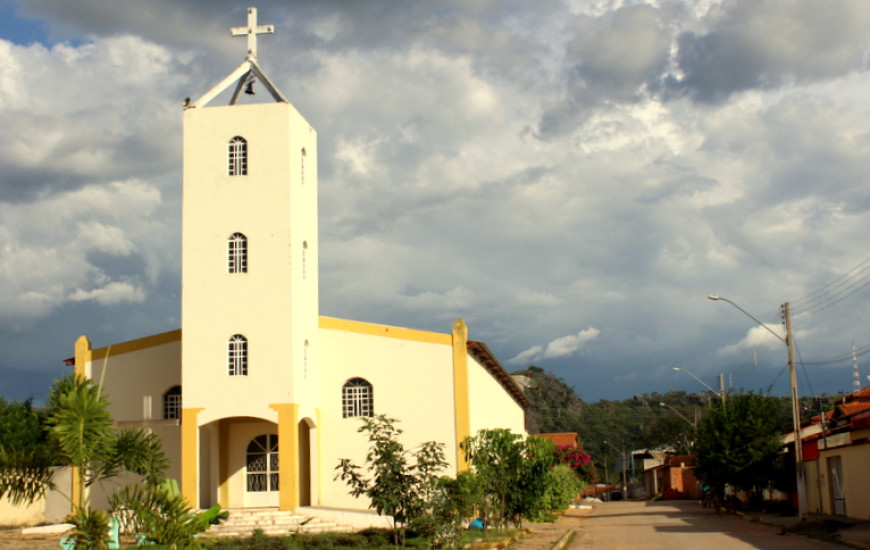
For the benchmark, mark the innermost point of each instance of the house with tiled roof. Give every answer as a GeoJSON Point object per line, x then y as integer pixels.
{"type": "Point", "coordinates": [836, 451]}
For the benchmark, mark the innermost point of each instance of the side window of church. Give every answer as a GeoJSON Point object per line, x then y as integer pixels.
{"type": "Point", "coordinates": [238, 356]}
{"type": "Point", "coordinates": [238, 157]}
{"type": "Point", "coordinates": [357, 398]}
{"type": "Point", "coordinates": [172, 403]}
{"type": "Point", "coordinates": [237, 250]}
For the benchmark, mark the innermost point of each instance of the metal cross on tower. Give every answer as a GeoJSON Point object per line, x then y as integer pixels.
{"type": "Point", "coordinates": [251, 31]}
{"type": "Point", "coordinates": [247, 71]}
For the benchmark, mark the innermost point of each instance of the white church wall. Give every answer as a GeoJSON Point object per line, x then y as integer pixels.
{"type": "Point", "coordinates": [137, 374]}
{"type": "Point", "coordinates": [412, 379]}
{"type": "Point", "coordinates": [490, 406]}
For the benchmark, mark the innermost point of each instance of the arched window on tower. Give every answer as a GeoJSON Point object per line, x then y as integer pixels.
{"type": "Point", "coordinates": [237, 250]}
{"type": "Point", "coordinates": [238, 355]}
{"type": "Point", "coordinates": [357, 398]}
{"type": "Point", "coordinates": [172, 403]}
{"type": "Point", "coordinates": [302, 166]}
{"type": "Point", "coordinates": [237, 164]}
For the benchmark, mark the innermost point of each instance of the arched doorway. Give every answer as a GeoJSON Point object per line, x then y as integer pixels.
{"type": "Point", "coordinates": [261, 471]}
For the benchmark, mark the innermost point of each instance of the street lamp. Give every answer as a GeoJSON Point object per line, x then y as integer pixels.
{"type": "Point", "coordinates": [624, 481]}
{"type": "Point", "coordinates": [720, 393]}
{"type": "Point", "coordinates": [694, 426]}
{"type": "Point", "coordinates": [689, 422]}
{"type": "Point", "coordinates": [795, 403]}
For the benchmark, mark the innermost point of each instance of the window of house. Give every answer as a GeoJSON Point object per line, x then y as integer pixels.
{"type": "Point", "coordinates": [238, 157]}
{"type": "Point", "coordinates": [357, 398]}
{"type": "Point", "coordinates": [172, 403]}
{"type": "Point", "coordinates": [238, 356]}
{"type": "Point", "coordinates": [237, 251]}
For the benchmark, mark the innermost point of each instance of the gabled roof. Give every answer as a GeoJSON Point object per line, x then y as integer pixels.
{"type": "Point", "coordinates": [850, 409]}
{"type": "Point", "coordinates": [485, 357]}
{"type": "Point", "coordinates": [862, 394]}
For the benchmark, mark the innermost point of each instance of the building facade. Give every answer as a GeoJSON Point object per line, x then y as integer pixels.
{"type": "Point", "coordinates": [258, 396]}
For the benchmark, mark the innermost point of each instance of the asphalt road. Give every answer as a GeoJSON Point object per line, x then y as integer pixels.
{"type": "Point", "coordinates": [674, 525]}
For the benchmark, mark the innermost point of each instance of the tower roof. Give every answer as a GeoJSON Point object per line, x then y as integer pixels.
{"type": "Point", "coordinates": [248, 71]}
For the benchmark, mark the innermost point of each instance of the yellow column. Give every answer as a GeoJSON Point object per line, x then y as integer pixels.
{"type": "Point", "coordinates": [288, 454]}
{"type": "Point", "coordinates": [83, 358]}
{"type": "Point", "coordinates": [461, 411]}
{"type": "Point", "coordinates": [190, 456]}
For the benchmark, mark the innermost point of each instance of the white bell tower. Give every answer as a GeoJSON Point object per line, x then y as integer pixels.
{"type": "Point", "coordinates": [250, 276]}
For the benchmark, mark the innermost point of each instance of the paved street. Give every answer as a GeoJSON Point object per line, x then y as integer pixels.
{"type": "Point", "coordinates": [673, 525]}
{"type": "Point", "coordinates": [668, 525]}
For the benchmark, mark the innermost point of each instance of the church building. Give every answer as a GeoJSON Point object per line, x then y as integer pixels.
{"type": "Point", "coordinates": [257, 396]}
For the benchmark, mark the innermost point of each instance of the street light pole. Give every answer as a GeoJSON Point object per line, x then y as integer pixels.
{"type": "Point", "coordinates": [720, 393]}
{"type": "Point", "coordinates": [795, 403]}
{"type": "Point", "coordinates": [624, 480]}
{"type": "Point", "coordinates": [689, 422]}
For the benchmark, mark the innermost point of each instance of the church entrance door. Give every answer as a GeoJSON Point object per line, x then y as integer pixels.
{"type": "Point", "coordinates": [261, 471]}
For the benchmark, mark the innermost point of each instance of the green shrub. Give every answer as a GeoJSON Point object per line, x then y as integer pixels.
{"type": "Point", "coordinates": [90, 528]}
{"type": "Point", "coordinates": [561, 487]}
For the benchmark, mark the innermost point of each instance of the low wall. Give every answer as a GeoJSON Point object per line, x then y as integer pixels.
{"type": "Point", "coordinates": [23, 515]}
{"type": "Point", "coordinates": [50, 509]}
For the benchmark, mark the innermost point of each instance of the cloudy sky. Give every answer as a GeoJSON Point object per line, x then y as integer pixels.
{"type": "Point", "coordinates": [572, 178]}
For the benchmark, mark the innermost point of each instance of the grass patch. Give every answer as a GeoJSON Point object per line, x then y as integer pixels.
{"type": "Point", "coordinates": [367, 539]}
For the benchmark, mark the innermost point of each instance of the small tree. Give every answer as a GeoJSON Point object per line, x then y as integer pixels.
{"type": "Point", "coordinates": [512, 473]}
{"type": "Point", "coordinates": [740, 442]}
{"type": "Point", "coordinates": [81, 434]}
{"type": "Point", "coordinates": [395, 487]}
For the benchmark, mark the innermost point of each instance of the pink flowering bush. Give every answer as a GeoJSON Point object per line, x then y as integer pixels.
{"type": "Point", "coordinates": [579, 461]}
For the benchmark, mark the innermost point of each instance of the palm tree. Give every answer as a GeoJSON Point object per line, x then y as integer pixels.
{"type": "Point", "coordinates": [82, 436]}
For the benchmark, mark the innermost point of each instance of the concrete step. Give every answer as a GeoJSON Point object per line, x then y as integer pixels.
{"type": "Point", "coordinates": [242, 522]}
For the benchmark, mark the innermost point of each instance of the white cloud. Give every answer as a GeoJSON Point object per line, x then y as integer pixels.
{"type": "Point", "coordinates": [567, 345]}
{"type": "Point", "coordinates": [113, 293]}
{"type": "Point", "coordinates": [560, 347]}
{"type": "Point", "coordinates": [440, 196]}
{"type": "Point", "coordinates": [528, 356]}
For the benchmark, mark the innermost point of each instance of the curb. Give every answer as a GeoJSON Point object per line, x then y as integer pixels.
{"type": "Point", "coordinates": [564, 540]}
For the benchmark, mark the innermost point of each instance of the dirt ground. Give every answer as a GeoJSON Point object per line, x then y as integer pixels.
{"type": "Point", "coordinates": [14, 540]}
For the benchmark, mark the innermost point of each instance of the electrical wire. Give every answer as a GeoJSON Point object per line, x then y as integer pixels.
{"type": "Point", "coordinates": [832, 293]}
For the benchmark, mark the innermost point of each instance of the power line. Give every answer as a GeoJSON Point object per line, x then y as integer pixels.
{"type": "Point", "coordinates": [834, 292]}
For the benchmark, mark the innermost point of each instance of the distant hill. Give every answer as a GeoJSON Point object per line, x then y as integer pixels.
{"type": "Point", "coordinates": [640, 422]}
{"type": "Point", "coordinates": [555, 405]}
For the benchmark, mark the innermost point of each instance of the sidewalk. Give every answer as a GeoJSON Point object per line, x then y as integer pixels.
{"type": "Point", "coordinates": [551, 536]}
{"type": "Point", "coordinates": [853, 532]}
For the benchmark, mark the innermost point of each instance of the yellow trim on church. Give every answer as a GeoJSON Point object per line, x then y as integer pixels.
{"type": "Point", "coordinates": [189, 456]}
{"type": "Point", "coordinates": [288, 454]}
{"type": "Point", "coordinates": [386, 331]}
{"type": "Point", "coordinates": [462, 411]}
{"type": "Point", "coordinates": [135, 345]}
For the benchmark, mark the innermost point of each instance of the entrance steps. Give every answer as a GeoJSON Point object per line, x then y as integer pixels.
{"type": "Point", "coordinates": [243, 521]}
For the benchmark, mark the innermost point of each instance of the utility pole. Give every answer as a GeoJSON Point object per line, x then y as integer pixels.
{"type": "Point", "coordinates": [795, 404]}
{"type": "Point", "coordinates": [796, 416]}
